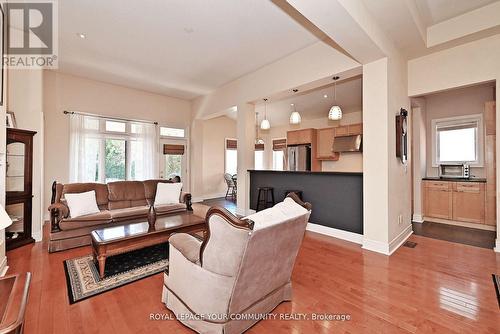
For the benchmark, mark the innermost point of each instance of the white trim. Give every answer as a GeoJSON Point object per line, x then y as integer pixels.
{"type": "Point", "coordinates": [3, 266]}
{"type": "Point", "coordinates": [459, 120]}
{"type": "Point", "coordinates": [497, 245]}
{"type": "Point", "coordinates": [463, 224]}
{"type": "Point", "coordinates": [391, 247]}
{"type": "Point", "coordinates": [336, 233]}
{"type": "Point", "coordinates": [399, 240]}
{"type": "Point", "coordinates": [418, 218]}
{"type": "Point", "coordinates": [201, 198]}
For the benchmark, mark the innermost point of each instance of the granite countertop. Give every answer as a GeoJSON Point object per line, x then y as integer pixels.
{"type": "Point", "coordinates": [303, 172]}
{"type": "Point", "coordinates": [472, 179]}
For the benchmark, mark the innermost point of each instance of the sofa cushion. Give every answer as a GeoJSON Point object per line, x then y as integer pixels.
{"type": "Point", "coordinates": [82, 204]}
{"type": "Point", "coordinates": [168, 208]}
{"type": "Point", "coordinates": [129, 213]}
{"type": "Point", "coordinates": [102, 217]}
{"type": "Point", "coordinates": [150, 188]}
{"type": "Point", "coordinates": [168, 193]}
{"type": "Point", "coordinates": [101, 192]}
{"type": "Point", "coordinates": [126, 194]}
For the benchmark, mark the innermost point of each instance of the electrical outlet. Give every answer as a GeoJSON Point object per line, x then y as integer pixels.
{"type": "Point", "coordinates": [400, 219]}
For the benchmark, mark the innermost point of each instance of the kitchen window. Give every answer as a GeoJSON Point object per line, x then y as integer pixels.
{"type": "Point", "coordinates": [231, 158]}
{"type": "Point", "coordinates": [458, 140]}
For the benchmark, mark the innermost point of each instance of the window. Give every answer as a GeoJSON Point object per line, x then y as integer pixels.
{"type": "Point", "coordinates": [104, 150]}
{"type": "Point", "coordinates": [458, 140]}
{"type": "Point", "coordinates": [231, 159]}
{"type": "Point", "coordinates": [259, 160]}
{"type": "Point", "coordinates": [278, 157]}
{"type": "Point", "coordinates": [171, 132]}
{"type": "Point", "coordinates": [112, 126]}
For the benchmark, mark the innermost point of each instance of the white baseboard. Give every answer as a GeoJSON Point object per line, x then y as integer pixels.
{"type": "Point", "coordinates": [418, 218]}
{"type": "Point", "coordinates": [202, 198]}
{"type": "Point", "coordinates": [391, 247]}
{"type": "Point", "coordinates": [336, 233]}
{"type": "Point", "coordinates": [400, 239]}
{"type": "Point", "coordinates": [497, 245]}
{"type": "Point", "coordinates": [3, 266]}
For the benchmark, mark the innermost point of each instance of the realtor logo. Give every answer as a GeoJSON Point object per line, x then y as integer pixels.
{"type": "Point", "coordinates": [32, 34]}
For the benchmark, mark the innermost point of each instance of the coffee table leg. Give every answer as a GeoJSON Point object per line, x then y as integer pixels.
{"type": "Point", "coordinates": [102, 262]}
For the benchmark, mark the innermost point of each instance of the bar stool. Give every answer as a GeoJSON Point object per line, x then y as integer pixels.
{"type": "Point", "coordinates": [264, 200]}
{"type": "Point", "coordinates": [297, 192]}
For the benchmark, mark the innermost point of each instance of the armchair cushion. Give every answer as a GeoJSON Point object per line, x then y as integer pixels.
{"type": "Point", "coordinates": [187, 245]}
{"type": "Point", "coordinates": [288, 209]}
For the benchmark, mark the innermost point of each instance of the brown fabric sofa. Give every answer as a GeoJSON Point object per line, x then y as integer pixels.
{"type": "Point", "coordinates": [119, 202]}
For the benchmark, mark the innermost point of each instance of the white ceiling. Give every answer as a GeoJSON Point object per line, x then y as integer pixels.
{"type": "Point", "coordinates": [402, 26]}
{"type": "Point", "coordinates": [182, 48]}
{"type": "Point", "coordinates": [435, 11]}
{"type": "Point", "coordinates": [313, 104]}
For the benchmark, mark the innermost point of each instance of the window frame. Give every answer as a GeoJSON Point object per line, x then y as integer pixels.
{"type": "Point", "coordinates": [457, 121]}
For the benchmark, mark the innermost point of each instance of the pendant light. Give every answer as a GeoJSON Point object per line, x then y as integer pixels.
{"type": "Point", "coordinates": [335, 113]}
{"type": "Point", "coordinates": [295, 116]}
{"type": "Point", "coordinates": [257, 139]}
{"type": "Point", "coordinates": [265, 125]}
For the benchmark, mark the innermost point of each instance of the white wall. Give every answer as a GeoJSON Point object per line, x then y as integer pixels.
{"type": "Point", "coordinates": [215, 131]}
{"type": "Point", "coordinates": [26, 101]}
{"type": "Point", "coordinates": [3, 108]}
{"type": "Point", "coordinates": [66, 92]}
{"type": "Point", "coordinates": [458, 102]}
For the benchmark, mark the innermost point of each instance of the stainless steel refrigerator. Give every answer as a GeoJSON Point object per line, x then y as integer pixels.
{"type": "Point", "coordinates": [299, 158]}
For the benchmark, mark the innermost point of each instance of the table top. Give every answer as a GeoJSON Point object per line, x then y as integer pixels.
{"type": "Point", "coordinates": [165, 223]}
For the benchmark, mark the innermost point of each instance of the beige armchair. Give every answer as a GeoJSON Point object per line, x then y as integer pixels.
{"type": "Point", "coordinates": [240, 272]}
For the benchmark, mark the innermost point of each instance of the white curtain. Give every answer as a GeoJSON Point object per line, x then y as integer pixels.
{"type": "Point", "coordinates": [84, 148]}
{"type": "Point", "coordinates": [147, 152]}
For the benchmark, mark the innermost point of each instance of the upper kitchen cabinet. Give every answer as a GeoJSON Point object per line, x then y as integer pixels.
{"type": "Point", "coordinates": [325, 139]}
{"type": "Point", "coordinates": [299, 137]}
{"type": "Point", "coordinates": [349, 130]}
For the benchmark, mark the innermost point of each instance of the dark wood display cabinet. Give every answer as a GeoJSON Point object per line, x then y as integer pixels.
{"type": "Point", "coordinates": [19, 187]}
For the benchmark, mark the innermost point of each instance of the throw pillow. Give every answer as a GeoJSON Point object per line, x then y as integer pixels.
{"type": "Point", "coordinates": [82, 204]}
{"type": "Point", "coordinates": [168, 193]}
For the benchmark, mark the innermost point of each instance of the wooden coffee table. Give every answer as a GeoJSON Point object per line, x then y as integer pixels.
{"type": "Point", "coordinates": [113, 240]}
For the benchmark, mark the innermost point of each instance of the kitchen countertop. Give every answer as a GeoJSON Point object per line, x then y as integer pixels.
{"type": "Point", "coordinates": [472, 179]}
{"type": "Point", "coordinates": [303, 172]}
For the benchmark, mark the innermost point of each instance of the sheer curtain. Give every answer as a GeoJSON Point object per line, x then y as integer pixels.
{"type": "Point", "coordinates": [84, 148]}
{"type": "Point", "coordinates": [146, 163]}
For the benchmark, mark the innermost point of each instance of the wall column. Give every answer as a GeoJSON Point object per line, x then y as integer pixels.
{"type": "Point", "coordinates": [245, 130]}
{"type": "Point", "coordinates": [419, 157]}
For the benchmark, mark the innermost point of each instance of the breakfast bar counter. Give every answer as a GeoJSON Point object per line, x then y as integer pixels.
{"type": "Point", "coordinates": [336, 197]}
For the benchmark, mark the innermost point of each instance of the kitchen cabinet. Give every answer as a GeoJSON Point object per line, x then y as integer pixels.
{"type": "Point", "coordinates": [438, 199]}
{"type": "Point", "coordinates": [468, 202]}
{"type": "Point", "coordinates": [325, 138]}
{"type": "Point", "coordinates": [355, 129]}
{"type": "Point", "coordinates": [298, 137]}
{"type": "Point", "coordinates": [455, 201]}
{"type": "Point", "coordinates": [341, 131]}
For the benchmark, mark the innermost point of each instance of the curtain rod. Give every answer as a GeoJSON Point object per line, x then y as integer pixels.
{"type": "Point", "coordinates": [108, 117]}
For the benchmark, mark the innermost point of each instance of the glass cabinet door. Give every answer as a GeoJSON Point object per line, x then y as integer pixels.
{"type": "Point", "coordinates": [15, 167]}
{"type": "Point", "coordinates": [16, 213]}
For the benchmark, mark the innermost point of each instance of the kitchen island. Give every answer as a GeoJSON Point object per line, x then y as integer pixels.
{"type": "Point", "coordinates": [336, 197]}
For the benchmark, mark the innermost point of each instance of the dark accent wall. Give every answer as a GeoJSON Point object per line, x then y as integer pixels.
{"type": "Point", "coordinates": [336, 198]}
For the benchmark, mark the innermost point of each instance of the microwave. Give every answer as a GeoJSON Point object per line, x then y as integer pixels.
{"type": "Point", "coordinates": [458, 171]}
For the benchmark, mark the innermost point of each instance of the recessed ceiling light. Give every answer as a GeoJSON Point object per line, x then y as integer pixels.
{"type": "Point", "coordinates": [81, 35]}
{"type": "Point", "coordinates": [325, 96]}
{"type": "Point", "coordinates": [292, 104]}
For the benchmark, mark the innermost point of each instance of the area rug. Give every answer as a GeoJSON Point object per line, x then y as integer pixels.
{"type": "Point", "coordinates": [82, 275]}
{"type": "Point", "coordinates": [496, 281]}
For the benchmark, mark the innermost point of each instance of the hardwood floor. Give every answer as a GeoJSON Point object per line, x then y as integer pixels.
{"type": "Point", "coordinates": [229, 204]}
{"type": "Point", "coordinates": [437, 286]}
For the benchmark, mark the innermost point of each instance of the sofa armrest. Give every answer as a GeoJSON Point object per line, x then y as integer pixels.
{"type": "Point", "coordinates": [187, 245]}
{"type": "Point", "coordinates": [204, 291]}
{"type": "Point", "coordinates": [186, 198]}
{"type": "Point", "coordinates": [58, 211]}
